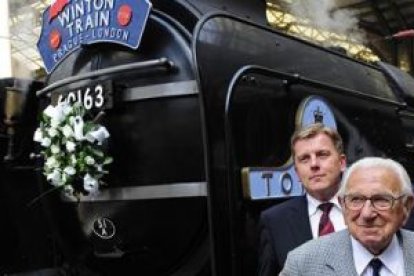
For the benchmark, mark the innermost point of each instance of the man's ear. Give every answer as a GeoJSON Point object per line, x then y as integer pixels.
{"type": "Point", "coordinates": [341, 202]}
{"type": "Point", "coordinates": [343, 162]}
{"type": "Point", "coordinates": [408, 206]}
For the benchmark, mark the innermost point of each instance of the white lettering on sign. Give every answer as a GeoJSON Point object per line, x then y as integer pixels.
{"type": "Point", "coordinates": [91, 21]}
{"type": "Point", "coordinates": [101, 33]}
{"type": "Point", "coordinates": [81, 8]}
{"type": "Point", "coordinates": [89, 98]}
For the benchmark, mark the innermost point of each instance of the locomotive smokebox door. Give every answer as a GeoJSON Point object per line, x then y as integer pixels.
{"type": "Point", "coordinates": [151, 216]}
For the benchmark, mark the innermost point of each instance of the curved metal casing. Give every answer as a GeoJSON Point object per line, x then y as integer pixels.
{"type": "Point", "coordinates": [152, 217]}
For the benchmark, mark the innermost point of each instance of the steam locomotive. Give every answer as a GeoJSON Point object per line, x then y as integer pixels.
{"type": "Point", "coordinates": [200, 115]}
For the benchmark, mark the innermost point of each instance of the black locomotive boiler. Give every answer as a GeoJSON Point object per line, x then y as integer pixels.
{"type": "Point", "coordinates": [200, 116]}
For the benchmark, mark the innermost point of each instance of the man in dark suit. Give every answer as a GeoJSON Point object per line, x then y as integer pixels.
{"type": "Point", "coordinates": [319, 162]}
{"type": "Point", "coordinates": [377, 198]}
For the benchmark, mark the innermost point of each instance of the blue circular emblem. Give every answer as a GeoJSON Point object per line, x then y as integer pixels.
{"type": "Point", "coordinates": [315, 110]}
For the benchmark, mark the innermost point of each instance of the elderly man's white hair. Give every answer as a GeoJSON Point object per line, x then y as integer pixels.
{"type": "Point", "coordinates": [378, 162]}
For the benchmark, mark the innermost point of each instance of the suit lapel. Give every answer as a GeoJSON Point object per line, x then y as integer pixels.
{"type": "Point", "coordinates": [298, 219]}
{"type": "Point", "coordinates": [408, 245]}
{"type": "Point", "coordinates": [338, 257]}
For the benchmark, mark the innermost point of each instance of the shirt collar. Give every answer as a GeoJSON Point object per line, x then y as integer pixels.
{"type": "Point", "coordinates": [389, 257]}
{"type": "Point", "coordinates": [313, 204]}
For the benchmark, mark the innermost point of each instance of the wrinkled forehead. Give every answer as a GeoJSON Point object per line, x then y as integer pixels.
{"type": "Point", "coordinates": [373, 179]}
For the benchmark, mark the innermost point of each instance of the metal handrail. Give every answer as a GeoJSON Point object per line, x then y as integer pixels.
{"type": "Point", "coordinates": [106, 71]}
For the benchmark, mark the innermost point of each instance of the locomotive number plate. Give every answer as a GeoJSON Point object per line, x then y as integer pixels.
{"type": "Point", "coordinates": [94, 96]}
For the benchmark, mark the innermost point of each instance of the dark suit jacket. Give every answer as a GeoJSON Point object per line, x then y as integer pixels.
{"type": "Point", "coordinates": [282, 228]}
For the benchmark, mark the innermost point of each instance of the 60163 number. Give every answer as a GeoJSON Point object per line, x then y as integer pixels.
{"type": "Point", "coordinates": [88, 97]}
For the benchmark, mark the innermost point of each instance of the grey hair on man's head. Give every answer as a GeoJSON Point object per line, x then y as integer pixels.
{"type": "Point", "coordinates": [378, 162]}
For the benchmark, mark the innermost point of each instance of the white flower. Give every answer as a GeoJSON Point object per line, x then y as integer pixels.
{"type": "Point", "coordinates": [55, 178]}
{"type": "Point", "coordinates": [55, 149]}
{"type": "Point", "coordinates": [67, 131]}
{"type": "Point", "coordinates": [97, 135]}
{"type": "Point", "coordinates": [89, 160]}
{"type": "Point", "coordinates": [38, 136]}
{"type": "Point", "coordinates": [77, 123]}
{"type": "Point", "coordinates": [70, 146]}
{"type": "Point", "coordinates": [66, 108]}
{"type": "Point", "coordinates": [51, 162]}
{"type": "Point", "coordinates": [70, 170]}
{"type": "Point", "coordinates": [90, 184]}
{"type": "Point", "coordinates": [50, 111]}
{"type": "Point", "coordinates": [52, 132]}
{"type": "Point", "coordinates": [46, 142]}
{"type": "Point", "coordinates": [55, 113]}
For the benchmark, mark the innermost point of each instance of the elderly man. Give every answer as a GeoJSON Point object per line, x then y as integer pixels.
{"type": "Point", "coordinates": [377, 198]}
{"type": "Point", "coordinates": [319, 162]}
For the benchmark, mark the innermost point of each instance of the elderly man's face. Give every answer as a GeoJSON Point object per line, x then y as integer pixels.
{"type": "Point", "coordinates": [373, 228]}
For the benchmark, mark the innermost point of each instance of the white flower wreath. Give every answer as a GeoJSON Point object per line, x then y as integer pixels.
{"type": "Point", "coordinates": [72, 149]}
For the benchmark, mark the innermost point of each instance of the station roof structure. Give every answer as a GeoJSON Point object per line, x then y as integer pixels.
{"type": "Point", "coordinates": [25, 27]}
{"type": "Point", "coordinates": [381, 18]}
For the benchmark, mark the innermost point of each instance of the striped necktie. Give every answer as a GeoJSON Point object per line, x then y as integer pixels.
{"type": "Point", "coordinates": [325, 224]}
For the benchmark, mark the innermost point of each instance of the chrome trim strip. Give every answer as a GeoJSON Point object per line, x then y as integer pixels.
{"type": "Point", "coordinates": [175, 190]}
{"type": "Point", "coordinates": [171, 89]}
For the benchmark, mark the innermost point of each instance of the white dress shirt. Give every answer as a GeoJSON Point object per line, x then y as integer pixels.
{"type": "Point", "coordinates": [335, 215]}
{"type": "Point", "coordinates": [392, 259]}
